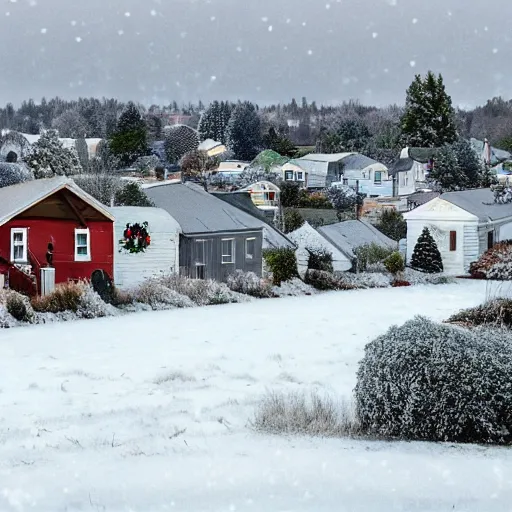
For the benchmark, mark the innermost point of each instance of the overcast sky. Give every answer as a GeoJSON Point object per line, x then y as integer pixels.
{"type": "Point", "coordinates": [155, 51]}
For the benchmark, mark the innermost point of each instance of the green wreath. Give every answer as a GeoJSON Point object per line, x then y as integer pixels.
{"type": "Point", "coordinates": [136, 238]}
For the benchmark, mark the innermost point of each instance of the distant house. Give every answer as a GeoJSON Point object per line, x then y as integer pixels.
{"type": "Point", "coordinates": [489, 155]}
{"type": "Point", "coordinates": [212, 147]}
{"type": "Point", "coordinates": [265, 196]}
{"type": "Point", "coordinates": [229, 170]}
{"type": "Point", "coordinates": [294, 171]}
{"type": "Point", "coordinates": [216, 238]}
{"type": "Point", "coordinates": [341, 240]}
{"type": "Point", "coordinates": [464, 224]}
{"type": "Point", "coordinates": [52, 214]}
{"type": "Point", "coordinates": [410, 171]}
{"type": "Point", "coordinates": [371, 177]}
{"type": "Point", "coordinates": [161, 256]}
{"type": "Point", "coordinates": [322, 169]}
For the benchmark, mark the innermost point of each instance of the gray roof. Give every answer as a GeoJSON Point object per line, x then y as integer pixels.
{"type": "Point", "coordinates": [401, 165]}
{"type": "Point", "coordinates": [317, 171]}
{"type": "Point", "coordinates": [272, 237]}
{"type": "Point", "coordinates": [479, 202]}
{"type": "Point", "coordinates": [422, 197]}
{"type": "Point", "coordinates": [349, 235]}
{"type": "Point", "coordinates": [199, 212]}
{"type": "Point", "coordinates": [357, 162]}
{"type": "Point", "coordinates": [15, 199]}
{"type": "Point", "coordinates": [325, 157]}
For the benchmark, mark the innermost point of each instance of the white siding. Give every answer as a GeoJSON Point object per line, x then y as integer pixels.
{"type": "Point", "coordinates": [505, 232]}
{"type": "Point", "coordinates": [471, 246]}
{"type": "Point", "coordinates": [406, 183]}
{"type": "Point", "coordinates": [162, 255]}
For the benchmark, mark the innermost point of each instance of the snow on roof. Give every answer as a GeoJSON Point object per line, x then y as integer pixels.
{"type": "Point", "coordinates": [479, 202]}
{"type": "Point", "coordinates": [17, 198]}
{"type": "Point", "coordinates": [326, 157]}
{"type": "Point", "coordinates": [208, 145]}
{"type": "Point", "coordinates": [349, 235]}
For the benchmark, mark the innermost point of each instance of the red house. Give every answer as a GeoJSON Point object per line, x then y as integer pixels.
{"type": "Point", "coordinates": [52, 214]}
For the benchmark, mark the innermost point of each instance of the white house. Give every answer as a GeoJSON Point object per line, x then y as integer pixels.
{"type": "Point", "coordinates": [464, 225]}
{"type": "Point", "coordinates": [162, 254]}
{"type": "Point", "coordinates": [410, 171]}
{"type": "Point", "coordinates": [293, 171]}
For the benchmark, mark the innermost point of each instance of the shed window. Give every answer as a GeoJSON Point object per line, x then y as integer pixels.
{"type": "Point", "coordinates": [19, 244]}
{"type": "Point", "coordinates": [228, 250]}
{"type": "Point", "coordinates": [288, 175]}
{"type": "Point", "coordinates": [82, 245]}
{"type": "Point", "coordinates": [300, 176]}
{"type": "Point", "coordinates": [453, 240]}
{"type": "Point", "coordinates": [378, 177]}
{"type": "Point", "coordinates": [250, 248]}
{"type": "Point", "coordinates": [200, 252]}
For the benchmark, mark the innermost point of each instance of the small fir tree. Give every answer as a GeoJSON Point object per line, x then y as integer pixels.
{"type": "Point", "coordinates": [426, 256]}
{"type": "Point", "coordinates": [429, 118]}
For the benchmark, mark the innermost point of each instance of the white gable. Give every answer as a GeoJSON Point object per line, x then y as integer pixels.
{"type": "Point", "coordinates": [439, 209]}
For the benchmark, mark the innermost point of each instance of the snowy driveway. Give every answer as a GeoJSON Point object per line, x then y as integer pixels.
{"type": "Point", "coordinates": [149, 412]}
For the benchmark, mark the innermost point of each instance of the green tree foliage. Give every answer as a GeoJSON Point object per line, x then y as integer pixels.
{"type": "Point", "coordinates": [394, 263]}
{"type": "Point", "coordinates": [129, 141]}
{"type": "Point", "coordinates": [292, 220]}
{"type": "Point", "coordinates": [344, 198]}
{"type": "Point", "coordinates": [180, 140]}
{"type": "Point", "coordinates": [290, 194]}
{"type": "Point", "coordinates": [243, 131]}
{"type": "Point", "coordinates": [346, 134]}
{"type": "Point", "coordinates": [447, 172]}
{"type": "Point", "coordinates": [154, 127]}
{"type": "Point", "coordinates": [426, 256]}
{"type": "Point", "coordinates": [132, 195]}
{"type": "Point", "coordinates": [429, 118]}
{"type": "Point", "coordinates": [392, 224]}
{"type": "Point", "coordinates": [196, 165]}
{"type": "Point", "coordinates": [279, 143]}
{"type": "Point", "coordinates": [49, 157]}
{"type": "Point", "coordinates": [282, 263]}
{"type": "Point", "coordinates": [214, 121]}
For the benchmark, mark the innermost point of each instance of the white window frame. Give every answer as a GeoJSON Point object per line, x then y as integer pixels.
{"type": "Point", "coordinates": [300, 176]}
{"type": "Point", "coordinates": [288, 175]}
{"type": "Point", "coordinates": [83, 257]}
{"type": "Point", "coordinates": [230, 256]}
{"type": "Point", "coordinates": [379, 182]}
{"type": "Point", "coordinates": [247, 256]}
{"type": "Point", "coordinates": [24, 244]}
{"type": "Point", "coordinates": [203, 242]}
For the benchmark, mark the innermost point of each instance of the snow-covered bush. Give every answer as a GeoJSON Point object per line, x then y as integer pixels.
{"type": "Point", "coordinates": [415, 277]}
{"type": "Point", "coordinates": [310, 414]}
{"type": "Point", "coordinates": [369, 255]}
{"type": "Point", "coordinates": [13, 142]}
{"type": "Point", "coordinates": [497, 313]}
{"type": "Point", "coordinates": [160, 297]}
{"type": "Point", "coordinates": [282, 263]}
{"type": "Point", "coordinates": [367, 279]}
{"type": "Point", "coordinates": [6, 319]}
{"type": "Point", "coordinates": [293, 288]}
{"type": "Point", "coordinates": [495, 263]}
{"type": "Point", "coordinates": [325, 281]}
{"type": "Point", "coordinates": [434, 382]}
{"type": "Point", "coordinates": [249, 283]}
{"type": "Point", "coordinates": [101, 186]}
{"type": "Point", "coordinates": [65, 297]}
{"type": "Point", "coordinates": [18, 306]}
{"type": "Point", "coordinates": [179, 140]}
{"type": "Point", "coordinates": [320, 259]}
{"type": "Point", "coordinates": [13, 173]}
{"type": "Point", "coordinates": [92, 306]}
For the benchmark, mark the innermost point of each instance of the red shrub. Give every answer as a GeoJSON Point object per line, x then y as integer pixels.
{"type": "Point", "coordinates": [502, 251]}
{"type": "Point", "coordinates": [399, 284]}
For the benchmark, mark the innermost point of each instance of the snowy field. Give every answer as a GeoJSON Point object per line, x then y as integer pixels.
{"type": "Point", "coordinates": [149, 412]}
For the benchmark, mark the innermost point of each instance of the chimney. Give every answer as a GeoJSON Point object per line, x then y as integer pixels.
{"type": "Point", "coordinates": [487, 152]}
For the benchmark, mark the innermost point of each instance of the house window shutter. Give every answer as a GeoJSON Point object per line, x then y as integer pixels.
{"type": "Point", "coordinates": [453, 240]}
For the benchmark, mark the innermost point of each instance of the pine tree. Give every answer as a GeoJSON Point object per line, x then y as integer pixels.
{"type": "Point", "coordinates": [426, 256]}
{"type": "Point", "coordinates": [243, 133]}
{"type": "Point", "coordinates": [83, 153]}
{"type": "Point", "coordinates": [129, 141]}
{"type": "Point", "coordinates": [50, 158]}
{"type": "Point", "coordinates": [447, 173]}
{"type": "Point", "coordinates": [132, 195]}
{"type": "Point", "coordinates": [429, 118]}
{"type": "Point", "coordinates": [179, 140]}
{"type": "Point", "coordinates": [469, 163]}
{"type": "Point", "coordinates": [214, 121]}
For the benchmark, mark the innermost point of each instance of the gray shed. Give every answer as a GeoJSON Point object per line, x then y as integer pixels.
{"type": "Point", "coordinates": [217, 238]}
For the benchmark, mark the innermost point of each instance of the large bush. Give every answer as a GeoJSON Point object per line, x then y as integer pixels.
{"type": "Point", "coordinates": [325, 281]}
{"type": "Point", "coordinates": [18, 306]}
{"type": "Point", "coordinates": [249, 283]}
{"type": "Point", "coordinates": [392, 224]}
{"type": "Point", "coordinates": [433, 382]}
{"type": "Point", "coordinates": [370, 254]}
{"type": "Point", "coordinates": [320, 259]}
{"type": "Point", "coordinates": [495, 263]}
{"type": "Point", "coordinates": [292, 220]}
{"type": "Point", "coordinates": [282, 263]}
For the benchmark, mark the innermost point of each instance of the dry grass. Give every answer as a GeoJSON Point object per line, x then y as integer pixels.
{"type": "Point", "coordinates": [66, 297]}
{"type": "Point", "coordinates": [299, 413]}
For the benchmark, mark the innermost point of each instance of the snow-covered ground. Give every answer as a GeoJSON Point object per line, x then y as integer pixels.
{"type": "Point", "coordinates": [149, 412]}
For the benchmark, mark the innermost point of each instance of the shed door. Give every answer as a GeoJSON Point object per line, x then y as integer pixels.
{"type": "Point", "coordinates": [490, 239]}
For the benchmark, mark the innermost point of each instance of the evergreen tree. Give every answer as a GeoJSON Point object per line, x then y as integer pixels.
{"type": "Point", "coordinates": [132, 195]}
{"type": "Point", "coordinates": [70, 124]}
{"type": "Point", "coordinates": [214, 121]}
{"type": "Point", "coordinates": [129, 141]}
{"type": "Point", "coordinates": [392, 224]}
{"type": "Point", "coordinates": [49, 157]}
{"type": "Point", "coordinates": [429, 118]}
{"type": "Point", "coordinates": [179, 140]}
{"type": "Point", "coordinates": [83, 153]}
{"type": "Point", "coordinates": [278, 143]}
{"type": "Point", "coordinates": [154, 127]}
{"type": "Point", "coordinates": [244, 131]}
{"type": "Point", "coordinates": [469, 163]}
{"type": "Point", "coordinates": [426, 256]}
{"type": "Point", "coordinates": [447, 173]}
